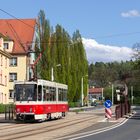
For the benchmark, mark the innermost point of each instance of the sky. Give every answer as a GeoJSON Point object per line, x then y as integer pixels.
{"type": "Point", "coordinates": [109, 28]}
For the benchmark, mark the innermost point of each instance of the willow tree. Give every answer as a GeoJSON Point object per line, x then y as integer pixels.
{"type": "Point", "coordinates": [44, 42]}
{"type": "Point", "coordinates": [79, 66]}
{"type": "Point", "coordinates": [58, 47]}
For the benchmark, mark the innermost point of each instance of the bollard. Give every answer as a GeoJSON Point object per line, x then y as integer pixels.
{"type": "Point", "coordinates": [5, 113]}
{"type": "Point", "coordinates": [9, 111]}
{"type": "Point", "coordinates": [108, 113]}
{"type": "Point", "coordinates": [12, 114]}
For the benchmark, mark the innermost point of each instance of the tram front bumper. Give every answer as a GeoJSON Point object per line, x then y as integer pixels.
{"type": "Point", "coordinates": [25, 116]}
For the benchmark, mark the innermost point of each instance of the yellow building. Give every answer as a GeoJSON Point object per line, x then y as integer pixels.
{"type": "Point", "coordinates": [23, 35]}
{"type": "Point", "coordinates": [4, 71]}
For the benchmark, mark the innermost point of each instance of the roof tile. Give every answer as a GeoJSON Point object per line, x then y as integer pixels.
{"type": "Point", "coordinates": [20, 31]}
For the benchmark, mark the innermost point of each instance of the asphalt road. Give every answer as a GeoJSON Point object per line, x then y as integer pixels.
{"type": "Point", "coordinates": [128, 131]}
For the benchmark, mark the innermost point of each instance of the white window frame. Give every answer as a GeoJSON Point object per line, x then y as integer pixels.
{"type": "Point", "coordinates": [12, 76]}
{"type": "Point", "coordinates": [13, 61]}
{"type": "Point", "coordinates": [6, 45]}
{"type": "Point", "coordinates": [11, 94]}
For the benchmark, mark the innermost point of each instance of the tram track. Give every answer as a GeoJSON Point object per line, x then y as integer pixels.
{"type": "Point", "coordinates": [42, 129]}
{"type": "Point", "coordinates": [13, 126]}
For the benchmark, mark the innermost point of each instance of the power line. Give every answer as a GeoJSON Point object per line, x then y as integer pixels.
{"type": "Point", "coordinates": [98, 37]}
{"type": "Point", "coordinates": [117, 35]}
{"type": "Point", "coordinates": [16, 18]}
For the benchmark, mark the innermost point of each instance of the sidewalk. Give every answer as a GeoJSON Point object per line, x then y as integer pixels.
{"type": "Point", "coordinates": [2, 119]}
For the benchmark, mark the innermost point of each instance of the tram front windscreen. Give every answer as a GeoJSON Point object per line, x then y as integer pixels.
{"type": "Point", "coordinates": [26, 92]}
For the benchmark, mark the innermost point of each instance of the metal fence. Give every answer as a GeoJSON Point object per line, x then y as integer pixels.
{"type": "Point", "coordinates": [122, 109]}
{"type": "Point", "coordinates": [9, 112]}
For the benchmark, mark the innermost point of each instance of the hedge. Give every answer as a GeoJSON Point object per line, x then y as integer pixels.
{"type": "Point", "coordinates": [3, 106]}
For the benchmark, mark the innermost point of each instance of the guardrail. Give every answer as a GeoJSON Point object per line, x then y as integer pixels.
{"type": "Point", "coordinates": [9, 112]}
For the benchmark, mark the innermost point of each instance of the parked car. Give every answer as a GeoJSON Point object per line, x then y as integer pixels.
{"type": "Point", "coordinates": [93, 102]}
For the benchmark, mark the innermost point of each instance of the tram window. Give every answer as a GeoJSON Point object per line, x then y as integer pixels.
{"type": "Point", "coordinates": [52, 94]}
{"type": "Point", "coordinates": [39, 93]}
{"type": "Point", "coordinates": [59, 94]}
{"type": "Point", "coordinates": [44, 93]}
{"type": "Point", "coordinates": [65, 95]}
{"type": "Point", "coordinates": [49, 93]}
{"type": "Point", "coordinates": [48, 96]}
{"type": "Point", "coordinates": [25, 92]}
{"type": "Point", "coordinates": [62, 94]}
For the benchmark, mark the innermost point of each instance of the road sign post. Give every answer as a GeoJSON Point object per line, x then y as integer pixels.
{"type": "Point", "coordinates": [108, 111]}
{"type": "Point", "coordinates": [107, 104]}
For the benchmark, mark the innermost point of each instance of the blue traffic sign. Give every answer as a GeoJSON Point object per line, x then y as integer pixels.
{"type": "Point", "coordinates": [107, 103]}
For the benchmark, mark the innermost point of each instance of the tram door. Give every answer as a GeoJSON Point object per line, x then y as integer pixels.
{"type": "Point", "coordinates": [39, 95]}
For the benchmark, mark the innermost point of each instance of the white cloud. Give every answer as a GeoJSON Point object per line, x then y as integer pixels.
{"type": "Point", "coordinates": [105, 53]}
{"type": "Point", "coordinates": [131, 13]}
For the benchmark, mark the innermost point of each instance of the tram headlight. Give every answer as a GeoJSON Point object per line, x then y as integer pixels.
{"type": "Point", "coordinates": [18, 110]}
{"type": "Point", "coordinates": [31, 109]}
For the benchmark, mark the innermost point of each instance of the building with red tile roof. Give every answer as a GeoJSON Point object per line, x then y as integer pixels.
{"type": "Point", "coordinates": [21, 35]}
{"type": "Point", "coordinates": [96, 92]}
{"type": "Point", "coordinates": [21, 31]}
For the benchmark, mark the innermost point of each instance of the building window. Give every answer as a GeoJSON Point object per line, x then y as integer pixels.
{"type": "Point", "coordinates": [6, 45]}
{"type": "Point", "coordinates": [11, 94]}
{"type": "Point", "coordinates": [12, 77]}
{"type": "Point", "coordinates": [13, 61]}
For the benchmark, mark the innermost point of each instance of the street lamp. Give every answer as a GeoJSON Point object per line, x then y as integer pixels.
{"type": "Point", "coordinates": [112, 87]}
{"type": "Point", "coordinates": [112, 94]}
{"type": "Point", "coordinates": [52, 71]}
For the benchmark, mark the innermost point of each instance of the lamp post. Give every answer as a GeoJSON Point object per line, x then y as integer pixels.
{"type": "Point", "coordinates": [112, 88]}
{"type": "Point", "coordinates": [112, 94]}
{"type": "Point", "coordinates": [52, 72]}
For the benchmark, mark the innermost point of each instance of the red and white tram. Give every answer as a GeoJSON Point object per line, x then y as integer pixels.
{"type": "Point", "coordinates": [40, 100]}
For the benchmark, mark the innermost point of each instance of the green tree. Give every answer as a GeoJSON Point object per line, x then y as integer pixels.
{"type": "Point", "coordinates": [58, 47]}
{"type": "Point", "coordinates": [44, 42]}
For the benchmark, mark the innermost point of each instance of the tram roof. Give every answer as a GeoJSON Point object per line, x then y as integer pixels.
{"type": "Point", "coordinates": [43, 82]}
{"type": "Point", "coordinates": [46, 82]}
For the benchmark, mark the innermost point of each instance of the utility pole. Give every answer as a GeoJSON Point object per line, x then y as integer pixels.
{"type": "Point", "coordinates": [102, 94]}
{"type": "Point", "coordinates": [112, 94]}
{"type": "Point", "coordinates": [132, 97]}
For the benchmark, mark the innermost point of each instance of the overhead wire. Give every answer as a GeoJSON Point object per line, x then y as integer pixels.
{"type": "Point", "coordinates": [96, 37]}
{"type": "Point", "coordinates": [117, 35]}
{"type": "Point", "coordinates": [16, 18]}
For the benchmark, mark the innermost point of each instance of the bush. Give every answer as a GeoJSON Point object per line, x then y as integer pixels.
{"type": "Point", "coordinates": [3, 106]}
{"type": "Point", "coordinates": [74, 104]}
